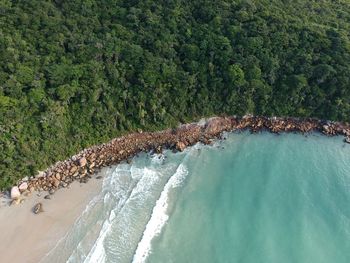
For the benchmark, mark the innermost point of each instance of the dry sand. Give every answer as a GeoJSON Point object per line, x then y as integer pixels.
{"type": "Point", "coordinates": [26, 237]}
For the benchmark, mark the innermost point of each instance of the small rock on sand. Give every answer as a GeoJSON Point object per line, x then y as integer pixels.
{"type": "Point", "coordinates": [15, 201]}
{"type": "Point", "coordinates": [38, 208]}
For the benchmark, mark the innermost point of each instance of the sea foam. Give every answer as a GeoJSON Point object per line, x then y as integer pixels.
{"type": "Point", "coordinates": [159, 216]}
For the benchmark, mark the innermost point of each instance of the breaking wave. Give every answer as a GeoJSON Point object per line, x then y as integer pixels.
{"type": "Point", "coordinates": [159, 216]}
{"type": "Point", "coordinates": [125, 216]}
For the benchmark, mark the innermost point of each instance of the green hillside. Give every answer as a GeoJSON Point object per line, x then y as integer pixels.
{"type": "Point", "coordinates": [77, 73]}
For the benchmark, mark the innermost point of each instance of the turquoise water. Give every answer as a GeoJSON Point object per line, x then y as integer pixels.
{"type": "Point", "coordinates": [249, 198]}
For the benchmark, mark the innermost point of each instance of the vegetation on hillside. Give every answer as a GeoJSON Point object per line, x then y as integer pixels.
{"type": "Point", "coordinates": [77, 73]}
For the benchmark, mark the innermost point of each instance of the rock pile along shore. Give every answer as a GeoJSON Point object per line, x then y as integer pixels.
{"type": "Point", "coordinates": [89, 161]}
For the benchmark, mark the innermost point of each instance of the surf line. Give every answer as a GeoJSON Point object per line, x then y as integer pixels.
{"type": "Point", "coordinates": [159, 215]}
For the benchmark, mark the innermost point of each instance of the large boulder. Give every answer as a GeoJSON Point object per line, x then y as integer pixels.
{"type": "Point", "coordinates": [56, 182]}
{"type": "Point", "coordinates": [180, 146]}
{"type": "Point", "coordinates": [15, 193]}
{"type": "Point", "coordinates": [73, 169]}
{"type": "Point", "coordinates": [40, 174]}
{"type": "Point", "coordinates": [82, 161]}
{"type": "Point", "coordinates": [217, 125]}
{"type": "Point", "coordinates": [23, 186]}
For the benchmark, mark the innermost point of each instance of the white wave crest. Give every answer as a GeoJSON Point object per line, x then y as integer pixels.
{"type": "Point", "coordinates": [159, 216]}
{"type": "Point", "coordinates": [147, 178]}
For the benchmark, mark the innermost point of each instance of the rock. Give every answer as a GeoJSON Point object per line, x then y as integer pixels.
{"type": "Point", "coordinates": [58, 176]}
{"type": "Point", "coordinates": [25, 179]}
{"type": "Point", "coordinates": [56, 183]}
{"type": "Point", "coordinates": [347, 140]}
{"type": "Point", "coordinates": [15, 193]}
{"type": "Point", "coordinates": [73, 169]}
{"type": "Point", "coordinates": [47, 197]}
{"type": "Point", "coordinates": [15, 201]}
{"type": "Point", "coordinates": [23, 186]}
{"type": "Point", "coordinates": [38, 208]}
{"type": "Point", "coordinates": [82, 161]}
{"type": "Point", "coordinates": [215, 125]}
{"type": "Point", "coordinates": [180, 146]}
{"type": "Point", "coordinates": [26, 193]}
{"type": "Point", "coordinates": [99, 177]}
{"type": "Point", "coordinates": [52, 191]}
{"type": "Point", "coordinates": [158, 150]}
{"type": "Point", "coordinates": [83, 180]}
{"type": "Point", "coordinates": [40, 174]}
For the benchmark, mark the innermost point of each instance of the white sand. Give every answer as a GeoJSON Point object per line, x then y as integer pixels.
{"type": "Point", "coordinates": [26, 237]}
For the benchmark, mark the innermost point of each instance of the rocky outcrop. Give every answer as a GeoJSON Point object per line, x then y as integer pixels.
{"type": "Point", "coordinates": [84, 165]}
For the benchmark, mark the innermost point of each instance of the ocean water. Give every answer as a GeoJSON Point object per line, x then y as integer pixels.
{"type": "Point", "coordinates": [248, 198]}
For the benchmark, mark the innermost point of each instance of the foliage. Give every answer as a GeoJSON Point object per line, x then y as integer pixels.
{"type": "Point", "coordinates": [77, 73]}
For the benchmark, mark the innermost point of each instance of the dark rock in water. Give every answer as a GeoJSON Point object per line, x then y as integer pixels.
{"type": "Point", "coordinates": [47, 197]}
{"type": "Point", "coordinates": [347, 140]}
{"type": "Point", "coordinates": [38, 208]}
{"type": "Point", "coordinates": [52, 191]}
{"type": "Point", "coordinates": [99, 177]}
{"type": "Point", "coordinates": [158, 150]}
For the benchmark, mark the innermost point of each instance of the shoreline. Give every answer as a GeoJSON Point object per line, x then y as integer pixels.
{"type": "Point", "coordinates": [32, 237]}
{"type": "Point", "coordinates": [87, 163]}
{"type": "Point", "coordinates": [26, 237]}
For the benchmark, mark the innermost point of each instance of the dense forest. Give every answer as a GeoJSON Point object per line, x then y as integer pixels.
{"type": "Point", "coordinates": [77, 73]}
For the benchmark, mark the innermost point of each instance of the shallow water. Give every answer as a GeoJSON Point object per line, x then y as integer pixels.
{"type": "Point", "coordinates": [249, 198]}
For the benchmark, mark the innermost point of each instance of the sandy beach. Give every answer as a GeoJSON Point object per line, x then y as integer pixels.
{"type": "Point", "coordinates": [27, 237]}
